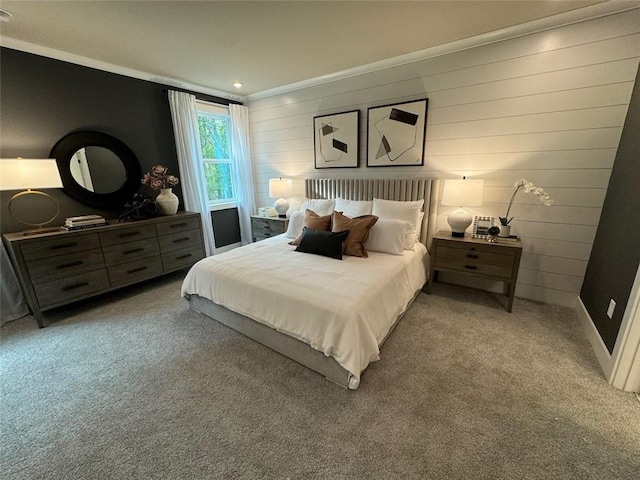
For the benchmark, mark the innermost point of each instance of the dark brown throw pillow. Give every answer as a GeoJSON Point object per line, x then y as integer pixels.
{"type": "Point", "coordinates": [315, 222]}
{"type": "Point", "coordinates": [358, 232]}
{"type": "Point", "coordinates": [319, 242]}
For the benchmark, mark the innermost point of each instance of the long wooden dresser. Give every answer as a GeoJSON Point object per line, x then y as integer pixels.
{"type": "Point", "coordinates": [58, 268]}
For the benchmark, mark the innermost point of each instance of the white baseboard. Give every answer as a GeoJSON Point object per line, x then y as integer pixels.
{"type": "Point", "coordinates": [599, 348]}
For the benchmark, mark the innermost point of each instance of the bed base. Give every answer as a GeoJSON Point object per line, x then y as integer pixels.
{"type": "Point", "coordinates": [282, 343]}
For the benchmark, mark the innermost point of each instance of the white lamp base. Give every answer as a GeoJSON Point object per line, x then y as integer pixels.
{"type": "Point", "coordinates": [281, 205]}
{"type": "Point", "coordinates": [459, 220]}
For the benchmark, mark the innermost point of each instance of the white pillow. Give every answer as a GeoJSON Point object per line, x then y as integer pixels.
{"type": "Point", "coordinates": [319, 206]}
{"type": "Point", "coordinates": [387, 236]}
{"type": "Point", "coordinates": [296, 222]}
{"type": "Point", "coordinates": [407, 211]}
{"type": "Point", "coordinates": [354, 208]}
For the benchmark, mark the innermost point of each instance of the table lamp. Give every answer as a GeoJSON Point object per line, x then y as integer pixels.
{"type": "Point", "coordinates": [461, 193]}
{"type": "Point", "coordinates": [280, 188]}
{"type": "Point", "coordinates": [29, 174]}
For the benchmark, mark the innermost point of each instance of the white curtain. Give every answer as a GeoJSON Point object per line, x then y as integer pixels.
{"type": "Point", "coordinates": [185, 129]}
{"type": "Point", "coordinates": [244, 179]}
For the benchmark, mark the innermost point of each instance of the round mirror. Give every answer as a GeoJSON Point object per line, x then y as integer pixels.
{"type": "Point", "coordinates": [97, 169]}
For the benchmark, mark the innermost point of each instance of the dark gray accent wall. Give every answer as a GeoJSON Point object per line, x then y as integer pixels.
{"type": "Point", "coordinates": [43, 99]}
{"type": "Point", "coordinates": [616, 250]}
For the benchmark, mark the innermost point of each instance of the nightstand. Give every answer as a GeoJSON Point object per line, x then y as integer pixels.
{"type": "Point", "coordinates": [477, 258]}
{"type": "Point", "coordinates": [265, 227]}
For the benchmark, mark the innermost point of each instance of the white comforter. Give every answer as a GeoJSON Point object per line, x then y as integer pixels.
{"type": "Point", "coordinates": [342, 308]}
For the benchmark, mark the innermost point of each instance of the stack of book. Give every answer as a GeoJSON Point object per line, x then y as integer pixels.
{"type": "Point", "coordinates": [83, 221]}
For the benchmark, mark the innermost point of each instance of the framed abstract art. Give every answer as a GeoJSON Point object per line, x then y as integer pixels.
{"type": "Point", "coordinates": [336, 140]}
{"type": "Point", "coordinates": [396, 134]}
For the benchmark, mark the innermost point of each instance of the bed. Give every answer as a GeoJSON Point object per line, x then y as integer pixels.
{"type": "Point", "coordinates": [331, 316]}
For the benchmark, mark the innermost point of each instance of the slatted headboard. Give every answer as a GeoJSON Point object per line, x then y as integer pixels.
{"type": "Point", "coordinates": [407, 189]}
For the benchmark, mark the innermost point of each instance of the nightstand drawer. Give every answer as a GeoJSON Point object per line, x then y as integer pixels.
{"type": "Point", "coordinates": [477, 256]}
{"type": "Point", "coordinates": [474, 266]}
{"type": "Point", "coordinates": [265, 227]}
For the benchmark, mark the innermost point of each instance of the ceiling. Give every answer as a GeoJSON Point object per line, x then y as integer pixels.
{"type": "Point", "coordinates": [207, 45]}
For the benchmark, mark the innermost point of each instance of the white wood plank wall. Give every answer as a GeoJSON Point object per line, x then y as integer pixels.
{"type": "Point", "coordinates": [548, 107]}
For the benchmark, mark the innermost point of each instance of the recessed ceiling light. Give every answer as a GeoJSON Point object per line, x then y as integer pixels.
{"type": "Point", "coordinates": [5, 16]}
{"type": "Point", "coordinates": [237, 84]}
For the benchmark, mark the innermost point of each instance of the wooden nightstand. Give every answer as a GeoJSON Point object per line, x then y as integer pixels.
{"type": "Point", "coordinates": [478, 258]}
{"type": "Point", "coordinates": [265, 227]}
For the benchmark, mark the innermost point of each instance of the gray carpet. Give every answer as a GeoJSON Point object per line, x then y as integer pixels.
{"type": "Point", "coordinates": [135, 385]}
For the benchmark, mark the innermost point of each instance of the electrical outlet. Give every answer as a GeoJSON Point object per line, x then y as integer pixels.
{"type": "Point", "coordinates": [612, 307]}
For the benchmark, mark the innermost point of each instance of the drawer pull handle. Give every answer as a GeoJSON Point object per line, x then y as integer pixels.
{"type": "Point", "coordinates": [63, 245]}
{"type": "Point", "coordinates": [70, 264]}
{"type": "Point", "coordinates": [472, 256]}
{"type": "Point", "coordinates": [129, 234]}
{"type": "Point", "coordinates": [183, 256]}
{"type": "Point", "coordinates": [470, 267]}
{"type": "Point", "coordinates": [183, 239]}
{"type": "Point", "coordinates": [139, 269]}
{"type": "Point", "coordinates": [178, 225]}
{"type": "Point", "coordinates": [134, 250]}
{"type": "Point", "coordinates": [73, 287]}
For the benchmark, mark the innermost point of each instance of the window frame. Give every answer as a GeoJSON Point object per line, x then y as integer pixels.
{"type": "Point", "coordinates": [214, 109]}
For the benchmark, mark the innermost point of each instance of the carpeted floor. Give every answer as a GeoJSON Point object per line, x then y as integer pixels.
{"type": "Point", "coordinates": [135, 385]}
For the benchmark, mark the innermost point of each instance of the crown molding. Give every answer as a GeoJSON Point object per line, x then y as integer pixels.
{"type": "Point", "coordinates": [590, 12]}
{"type": "Point", "coordinates": [27, 47]}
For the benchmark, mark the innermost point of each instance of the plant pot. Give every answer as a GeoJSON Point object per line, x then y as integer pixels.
{"type": "Point", "coordinates": [505, 230]}
{"type": "Point", "coordinates": [167, 202]}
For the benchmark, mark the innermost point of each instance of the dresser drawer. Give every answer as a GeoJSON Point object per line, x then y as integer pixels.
{"type": "Point", "coordinates": [179, 240]}
{"type": "Point", "coordinates": [126, 252]}
{"type": "Point", "coordinates": [131, 234]}
{"type": "Point", "coordinates": [135, 271]}
{"type": "Point", "coordinates": [76, 286]}
{"type": "Point", "coordinates": [59, 246]}
{"type": "Point", "coordinates": [182, 258]}
{"type": "Point", "coordinates": [166, 228]}
{"type": "Point", "coordinates": [60, 266]}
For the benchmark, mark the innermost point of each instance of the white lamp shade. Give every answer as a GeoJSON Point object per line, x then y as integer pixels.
{"type": "Point", "coordinates": [24, 173]}
{"type": "Point", "coordinates": [280, 187]}
{"type": "Point", "coordinates": [463, 193]}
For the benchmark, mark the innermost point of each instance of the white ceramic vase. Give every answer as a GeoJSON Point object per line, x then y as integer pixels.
{"type": "Point", "coordinates": [505, 230]}
{"type": "Point", "coordinates": [167, 202]}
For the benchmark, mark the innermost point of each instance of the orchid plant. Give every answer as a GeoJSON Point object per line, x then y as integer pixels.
{"type": "Point", "coordinates": [527, 187]}
{"type": "Point", "coordinates": [159, 178]}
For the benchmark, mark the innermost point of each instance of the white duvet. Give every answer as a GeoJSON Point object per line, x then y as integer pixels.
{"type": "Point", "coordinates": [344, 308]}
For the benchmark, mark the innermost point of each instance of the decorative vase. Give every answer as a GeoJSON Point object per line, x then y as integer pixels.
{"type": "Point", "coordinates": [505, 231]}
{"type": "Point", "coordinates": [167, 202]}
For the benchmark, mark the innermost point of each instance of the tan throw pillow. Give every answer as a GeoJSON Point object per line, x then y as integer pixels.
{"type": "Point", "coordinates": [315, 222]}
{"type": "Point", "coordinates": [358, 232]}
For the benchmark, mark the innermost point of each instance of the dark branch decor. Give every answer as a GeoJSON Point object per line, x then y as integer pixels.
{"type": "Point", "coordinates": [336, 140]}
{"type": "Point", "coordinates": [396, 133]}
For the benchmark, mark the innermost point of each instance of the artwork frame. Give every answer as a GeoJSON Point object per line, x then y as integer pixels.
{"type": "Point", "coordinates": [396, 134]}
{"type": "Point", "coordinates": [337, 150]}
{"type": "Point", "coordinates": [481, 225]}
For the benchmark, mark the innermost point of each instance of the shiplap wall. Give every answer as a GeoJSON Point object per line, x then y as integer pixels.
{"type": "Point", "coordinates": [548, 107]}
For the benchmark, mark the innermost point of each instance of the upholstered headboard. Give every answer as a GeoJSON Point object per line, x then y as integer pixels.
{"type": "Point", "coordinates": [407, 189]}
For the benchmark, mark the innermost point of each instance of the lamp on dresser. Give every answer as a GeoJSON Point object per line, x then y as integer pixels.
{"type": "Point", "coordinates": [29, 174]}
{"type": "Point", "coordinates": [461, 193]}
{"type": "Point", "coordinates": [280, 188]}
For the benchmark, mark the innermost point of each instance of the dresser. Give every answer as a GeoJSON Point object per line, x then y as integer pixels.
{"type": "Point", "coordinates": [265, 227]}
{"type": "Point", "coordinates": [478, 258]}
{"type": "Point", "coordinates": [58, 268]}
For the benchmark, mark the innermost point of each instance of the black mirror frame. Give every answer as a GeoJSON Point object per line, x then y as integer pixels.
{"type": "Point", "coordinates": [68, 145]}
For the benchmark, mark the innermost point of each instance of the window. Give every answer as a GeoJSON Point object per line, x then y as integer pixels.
{"type": "Point", "coordinates": [215, 140]}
